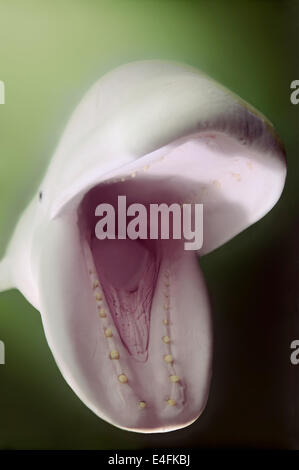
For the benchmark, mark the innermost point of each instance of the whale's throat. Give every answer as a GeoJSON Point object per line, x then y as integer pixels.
{"type": "Point", "coordinates": [127, 270]}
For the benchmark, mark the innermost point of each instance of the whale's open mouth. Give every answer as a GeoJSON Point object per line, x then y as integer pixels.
{"type": "Point", "coordinates": [151, 327]}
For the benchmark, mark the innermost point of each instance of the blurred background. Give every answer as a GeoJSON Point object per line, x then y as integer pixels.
{"type": "Point", "coordinates": [50, 54]}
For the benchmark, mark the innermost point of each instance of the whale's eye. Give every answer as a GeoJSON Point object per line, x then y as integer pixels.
{"type": "Point", "coordinates": [40, 196]}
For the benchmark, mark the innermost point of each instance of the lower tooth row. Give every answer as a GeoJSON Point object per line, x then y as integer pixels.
{"type": "Point", "coordinates": [177, 393]}
{"type": "Point", "coordinates": [102, 313]}
{"type": "Point", "coordinates": [177, 389]}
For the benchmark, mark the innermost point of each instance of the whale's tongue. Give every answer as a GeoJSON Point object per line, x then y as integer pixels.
{"type": "Point", "coordinates": [128, 271]}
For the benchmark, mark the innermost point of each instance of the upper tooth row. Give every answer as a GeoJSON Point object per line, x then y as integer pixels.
{"type": "Point", "coordinates": [135, 172]}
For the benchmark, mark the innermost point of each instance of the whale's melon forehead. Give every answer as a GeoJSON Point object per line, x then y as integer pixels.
{"type": "Point", "coordinates": [141, 107]}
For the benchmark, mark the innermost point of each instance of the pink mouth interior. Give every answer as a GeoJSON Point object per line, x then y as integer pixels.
{"type": "Point", "coordinates": [128, 269]}
{"type": "Point", "coordinates": [127, 272]}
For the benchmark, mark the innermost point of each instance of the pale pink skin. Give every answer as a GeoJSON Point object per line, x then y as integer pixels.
{"type": "Point", "coordinates": [229, 162]}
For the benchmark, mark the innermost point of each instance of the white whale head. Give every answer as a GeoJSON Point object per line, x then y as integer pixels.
{"type": "Point", "coordinates": [128, 322]}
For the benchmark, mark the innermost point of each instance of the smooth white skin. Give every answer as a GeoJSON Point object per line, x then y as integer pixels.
{"type": "Point", "coordinates": [178, 123]}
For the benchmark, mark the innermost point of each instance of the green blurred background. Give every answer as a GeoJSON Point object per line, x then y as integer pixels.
{"type": "Point", "coordinates": [51, 51]}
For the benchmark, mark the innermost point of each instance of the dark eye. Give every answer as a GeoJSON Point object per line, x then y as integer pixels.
{"type": "Point", "coordinates": [40, 195]}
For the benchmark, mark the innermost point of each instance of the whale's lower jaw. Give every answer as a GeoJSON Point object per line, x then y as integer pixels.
{"type": "Point", "coordinates": [143, 337]}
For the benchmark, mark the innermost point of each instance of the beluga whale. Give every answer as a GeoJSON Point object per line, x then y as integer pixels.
{"type": "Point", "coordinates": [129, 320]}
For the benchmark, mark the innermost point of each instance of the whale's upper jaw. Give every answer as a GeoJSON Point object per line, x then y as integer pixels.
{"type": "Point", "coordinates": [144, 107]}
